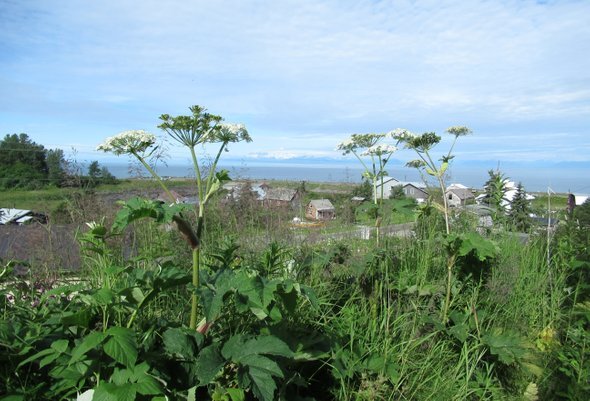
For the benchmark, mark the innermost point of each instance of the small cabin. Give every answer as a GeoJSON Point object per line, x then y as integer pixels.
{"type": "Point", "coordinates": [320, 209]}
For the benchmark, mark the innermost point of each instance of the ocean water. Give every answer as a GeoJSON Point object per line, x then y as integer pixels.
{"type": "Point", "coordinates": [559, 179]}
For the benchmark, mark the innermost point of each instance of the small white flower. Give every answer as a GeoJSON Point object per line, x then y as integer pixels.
{"type": "Point", "coordinates": [128, 142]}
{"type": "Point", "coordinates": [10, 297]}
{"type": "Point", "coordinates": [92, 225]}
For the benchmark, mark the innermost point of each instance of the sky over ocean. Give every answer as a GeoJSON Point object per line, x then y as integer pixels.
{"type": "Point", "coordinates": [303, 75]}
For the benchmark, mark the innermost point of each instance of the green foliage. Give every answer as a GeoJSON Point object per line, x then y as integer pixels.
{"type": "Point", "coordinates": [397, 192]}
{"type": "Point", "coordinates": [363, 190]}
{"type": "Point", "coordinates": [56, 167]}
{"type": "Point", "coordinates": [520, 210]}
{"type": "Point", "coordinates": [495, 191]}
{"type": "Point", "coordinates": [22, 162]}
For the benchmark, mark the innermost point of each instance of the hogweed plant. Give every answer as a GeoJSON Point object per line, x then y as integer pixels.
{"type": "Point", "coordinates": [373, 152]}
{"type": "Point", "coordinates": [422, 145]}
{"type": "Point", "coordinates": [194, 131]}
{"type": "Point", "coordinates": [457, 245]}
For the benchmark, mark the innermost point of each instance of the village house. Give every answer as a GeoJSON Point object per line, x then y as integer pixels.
{"type": "Point", "coordinates": [267, 196]}
{"type": "Point", "coordinates": [388, 184]}
{"type": "Point", "coordinates": [415, 190]}
{"type": "Point", "coordinates": [282, 197]}
{"type": "Point", "coordinates": [459, 195]}
{"type": "Point", "coordinates": [320, 209]}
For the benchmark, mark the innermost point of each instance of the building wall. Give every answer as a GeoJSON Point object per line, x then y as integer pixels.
{"type": "Point", "coordinates": [413, 192]}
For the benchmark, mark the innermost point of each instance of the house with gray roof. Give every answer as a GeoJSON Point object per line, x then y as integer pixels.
{"type": "Point", "coordinates": [320, 209]}
{"type": "Point", "coordinates": [412, 189]}
{"type": "Point", "coordinates": [281, 197]}
{"type": "Point", "coordinates": [459, 196]}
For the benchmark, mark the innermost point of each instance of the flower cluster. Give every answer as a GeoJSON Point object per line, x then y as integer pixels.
{"type": "Point", "coordinates": [232, 133]}
{"type": "Point", "coordinates": [359, 141]}
{"type": "Point", "coordinates": [401, 135]}
{"type": "Point", "coordinates": [128, 142]}
{"type": "Point", "coordinates": [459, 130]}
{"type": "Point", "coordinates": [379, 150]}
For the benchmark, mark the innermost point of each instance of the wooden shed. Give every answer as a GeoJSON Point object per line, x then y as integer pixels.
{"type": "Point", "coordinates": [320, 209]}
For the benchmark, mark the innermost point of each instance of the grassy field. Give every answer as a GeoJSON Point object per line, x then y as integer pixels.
{"type": "Point", "coordinates": [470, 315]}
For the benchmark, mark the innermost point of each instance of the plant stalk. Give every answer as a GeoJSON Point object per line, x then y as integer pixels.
{"type": "Point", "coordinates": [194, 297]}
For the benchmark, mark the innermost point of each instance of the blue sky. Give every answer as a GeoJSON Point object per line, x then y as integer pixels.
{"type": "Point", "coordinates": [303, 75]}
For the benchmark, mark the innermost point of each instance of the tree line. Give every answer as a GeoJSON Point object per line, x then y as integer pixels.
{"type": "Point", "coordinates": [25, 164]}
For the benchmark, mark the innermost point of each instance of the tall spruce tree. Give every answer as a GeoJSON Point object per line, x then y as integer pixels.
{"type": "Point", "coordinates": [520, 210]}
{"type": "Point", "coordinates": [495, 191]}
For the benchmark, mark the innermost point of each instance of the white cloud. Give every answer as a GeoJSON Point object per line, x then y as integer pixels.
{"type": "Point", "coordinates": [299, 68]}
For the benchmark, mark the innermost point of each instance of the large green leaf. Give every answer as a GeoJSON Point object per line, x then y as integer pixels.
{"type": "Point", "coordinates": [90, 342]}
{"type": "Point", "coordinates": [240, 346]}
{"type": "Point", "coordinates": [263, 385]}
{"type": "Point", "coordinates": [181, 342]}
{"type": "Point", "coordinates": [103, 297]}
{"type": "Point", "coordinates": [262, 363]}
{"type": "Point", "coordinates": [121, 345]}
{"type": "Point", "coordinates": [138, 208]}
{"type": "Point", "coordinates": [472, 243]}
{"type": "Point", "coordinates": [508, 347]}
{"type": "Point", "coordinates": [113, 392]}
{"type": "Point", "coordinates": [81, 318]}
{"type": "Point", "coordinates": [209, 364]}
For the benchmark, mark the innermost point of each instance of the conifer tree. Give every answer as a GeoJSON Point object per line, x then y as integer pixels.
{"type": "Point", "coordinates": [520, 210]}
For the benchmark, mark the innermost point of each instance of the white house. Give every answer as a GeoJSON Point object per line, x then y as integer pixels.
{"type": "Point", "coordinates": [388, 184]}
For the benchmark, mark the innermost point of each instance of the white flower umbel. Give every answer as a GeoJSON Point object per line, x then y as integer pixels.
{"type": "Point", "coordinates": [229, 132]}
{"type": "Point", "coordinates": [401, 135]}
{"type": "Point", "coordinates": [345, 145]}
{"type": "Point", "coordinates": [379, 150]}
{"type": "Point", "coordinates": [128, 142]}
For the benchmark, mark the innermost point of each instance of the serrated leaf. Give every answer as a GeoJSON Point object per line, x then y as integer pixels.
{"type": "Point", "coordinates": [103, 297]}
{"type": "Point", "coordinates": [239, 346]}
{"type": "Point", "coordinates": [209, 364]}
{"type": "Point", "coordinates": [181, 342]}
{"type": "Point", "coordinates": [121, 345]}
{"type": "Point", "coordinates": [81, 318]}
{"type": "Point", "coordinates": [481, 247]}
{"type": "Point", "coordinates": [91, 341]}
{"type": "Point", "coordinates": [60, 346]}
{"type": "Point", "coordinates": [262, 363]}
{"type": "Point", "coordinates": [236, 394]}
{"type": "Point", "coordinates": [263, 385]}
{"type": "Point", "coordinates": [113, 392]}
{"type": "Point", "coordinates": [121, 376]}
{"type": "Point", "coordinates": [147, 385]}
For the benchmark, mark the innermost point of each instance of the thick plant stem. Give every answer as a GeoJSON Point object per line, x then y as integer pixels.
{"type": "Point", "coordinates": [445, 205]}
{"type": "Point", "coordinates": [194, 297]}
{"type": "Point", "coordinates": [445, 311]}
